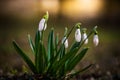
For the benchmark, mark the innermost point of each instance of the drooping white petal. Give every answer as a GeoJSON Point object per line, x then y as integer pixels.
{"type": "Point", "coordinates": [42, 25]}
{"type": "Point", "coordinates": [77, 35]}
{"type": "Point", "coordinates": [66, 42]}
{"type": "Point", "coordinates": [84, 37]}
{"type": "Point", "coordinates": [45, 26]}
{"type": "Point", "coordinates": [95, 39]}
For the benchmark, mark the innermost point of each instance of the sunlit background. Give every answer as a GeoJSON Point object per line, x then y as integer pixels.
{"type": "Point", "coordinates": [21, 17]}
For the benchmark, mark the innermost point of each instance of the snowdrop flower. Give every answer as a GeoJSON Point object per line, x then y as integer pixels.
{"type": "Point", "coordinates": [66, 42]}
{"type": "Point", "coordinates": [42, 24]}
{"type": "Point", "coordinates": [84, 37]}
{"type": "Point", "coordinates": [78, 35]}
{"type": "Point", "coordinates": [95, 39]}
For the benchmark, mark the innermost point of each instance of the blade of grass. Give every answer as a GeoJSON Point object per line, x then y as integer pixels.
{"type": "Point", "coordinates": [58, 52]}
{"type": "Point", "coordinates": [55, 59]}
{"type": "Point", "coordinates": [25, 57]}
{"type": "Point", "coordinates": [82, 70]}
{"type": "Point", "coordinates": [56, 43]}
{"type": "Point", "coordinates": [31, 44]}
{"type": "Point", "coordinates": [61, 71]}
{"type": "Point", "coordinates": [76, 59]}
{"type": "Point", "coordinates": [51, 45]}
{"type": "Point", "coordinates": [58, 64]}
{"type": "Point", "coordinates": [45, 59]}
{"type": "Point", "coordinates": [75, 44]}
{"type": "Point", "coordinates": [37, 40]}
{"type": "Point", "coordinates": [40, 64]}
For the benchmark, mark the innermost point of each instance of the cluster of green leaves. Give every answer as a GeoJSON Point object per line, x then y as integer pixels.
{"type": "Point", "coordinates": [55, 60]}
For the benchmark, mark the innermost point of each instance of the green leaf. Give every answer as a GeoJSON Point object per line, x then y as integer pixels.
{"type": "Point", "coordinates": [54, 60]}
{"type": "Point", "coordinates": [62, 52]}
{"type": "Point", "coordinates": [62, 69]}
{"type": "Point", "coordinates": [62, 45]}
{"type": "Point", "coordinates": [56, 43]}
{"type": "Point", "coordinates": [37, 40]}
{"type": "Point", "coordinates": [76, 44]}
{"type": "Point", "coordinates": [79, 71]}
{"type": "Point", "coordinates": [41, 57]}
{"type": "Point", "coordinates": [37, 47]}
{"type": "Point", "coordinates": [58, 64]}
{"type": "Point", "coordinates": [45, 58]}
{"type": "Point", "coordinates": [76, 59]}
{"type": "Point", "coordinates": [25, 57]}
{"type": "Point", "coordinates": [31, 44]}
{"type": "Point", "coordinates": [51, 45]}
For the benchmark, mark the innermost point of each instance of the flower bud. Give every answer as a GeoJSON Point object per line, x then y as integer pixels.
{"type": "Point", "coordinates": [42, 24]}
{"type": "Point", "coordinates": [46, 16]}
{"type": "Point", "coordinates": [95, 39]}
{"type": "Point", "coordinates": [78, 35]}
{"type": "Point", "coordinates": [65, 41]}
{"type": "Point", "coordinates": [84, 37]}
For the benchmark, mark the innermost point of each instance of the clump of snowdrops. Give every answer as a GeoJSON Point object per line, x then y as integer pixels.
{"type": "Point", "coordinates": [57, 60]}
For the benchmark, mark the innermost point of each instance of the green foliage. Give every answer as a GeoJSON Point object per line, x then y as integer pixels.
{"type": "Point", "coordinates": [54, 60]}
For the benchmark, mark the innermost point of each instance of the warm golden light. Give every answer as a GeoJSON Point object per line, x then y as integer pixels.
{"type": "Point", "coordinates": [70, 8]}
{"type": "Point", "coordinates": [89, 6]}
{"type": "Point", "coordinates": [49, 5]}
{"type": "Point", "coordinates": [82, 8]}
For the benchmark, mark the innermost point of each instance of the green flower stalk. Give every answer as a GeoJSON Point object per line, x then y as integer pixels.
{"type": "Point", "coordinates": [54, 61]}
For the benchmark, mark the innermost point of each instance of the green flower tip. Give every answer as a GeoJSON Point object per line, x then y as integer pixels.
{"type": "Point", "coordinates": [86, 47]}
{"type": "Point", "coordinates": [95, 30]}
{"type": "Point", "coordinates": [84, 30]}
{"type": "Point", "coordinates": [46, 16]}
{"type": "Point", "coordinates": [66, 29]}
{"type": "Point", "coordinates": [78, 25]}
{"type": "Point", "coordinates": [57, 34]}
{"type": "Point", "coordinates": [52, 28]}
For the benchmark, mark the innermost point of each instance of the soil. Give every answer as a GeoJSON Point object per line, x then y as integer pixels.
{"type": "Point", "coordinates": [78, 77]}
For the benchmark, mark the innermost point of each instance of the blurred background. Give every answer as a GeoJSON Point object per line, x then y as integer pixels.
{"type": "Point", "coordinates": [18, 18]}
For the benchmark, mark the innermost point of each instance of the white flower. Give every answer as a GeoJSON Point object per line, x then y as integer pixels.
{"type": "Point", "coordinates": [42, 25]}
{"type": "Point", "coordinates": [66, 42]}
{"type": "Point", "coordinates": [84, 37]}
{"type": "Point", "coordinates": [78, 35]}
{"type": "Point", "coordinates": [95, 39]}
